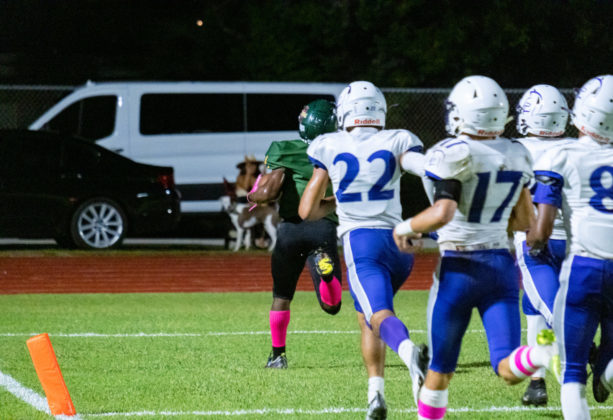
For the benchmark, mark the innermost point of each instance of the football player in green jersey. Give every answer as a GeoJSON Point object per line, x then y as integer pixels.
{"type": "Point", "coordinates": [298, 242]}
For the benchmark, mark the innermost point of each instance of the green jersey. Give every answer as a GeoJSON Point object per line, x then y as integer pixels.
{"type": "Point", "coordinates": [291, 155]}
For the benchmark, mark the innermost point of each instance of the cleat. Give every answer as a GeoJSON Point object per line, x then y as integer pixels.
{"type": "Point", "coordinates": [324, 265]}
{"type": "Point", "coordinates": [418, 369]}
{"type": "Point", "coordinates": [600, 392]}
{"type": "Point", "coordinates": [279, 362]}
{"type": "Point", "coordinates": [545, 338]}
{"type": "Point", "coordinates": [536, 393]}
{"type": "Point", "coordinates": [377, 409]}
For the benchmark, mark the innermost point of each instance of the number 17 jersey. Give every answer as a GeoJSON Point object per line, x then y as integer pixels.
{"type": "Point", "coordinates": [365, 174]}
{"type": "Point", "coordinates": [492, 173]}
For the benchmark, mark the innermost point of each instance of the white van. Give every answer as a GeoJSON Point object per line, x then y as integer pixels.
{"type": "Point", "coordinates": [202, 129]}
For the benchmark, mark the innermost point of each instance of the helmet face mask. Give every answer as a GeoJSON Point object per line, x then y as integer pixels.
{"type": "Point", "coordinates": [477, 105]}
{"type": "Point", "coordinates": [593, 109]}
{"type": "Point", "coordinates": [318, 117]}
{"type": "Point", "coordinates": [542, 111]}
{"type": "Point", "coordinates": [361, 104]}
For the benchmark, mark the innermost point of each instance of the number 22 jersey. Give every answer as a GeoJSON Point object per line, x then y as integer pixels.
{"type": "Point", "coordinates": [584, 170]}
{"type": "Point", "coordinates": [365, 174]}
{"type": "Point", "coordinates": [492, 173]}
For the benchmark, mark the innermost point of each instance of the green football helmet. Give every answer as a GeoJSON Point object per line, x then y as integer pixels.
{"type": "Point", "coordinates": [318, 117]}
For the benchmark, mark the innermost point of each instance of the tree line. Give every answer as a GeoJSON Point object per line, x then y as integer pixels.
{"type": "Point", "coordinates": [411, 43]}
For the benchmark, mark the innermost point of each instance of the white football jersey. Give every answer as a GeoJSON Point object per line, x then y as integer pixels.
{"type": "Point", "coordinates": [587, 195]}
{"type": "Point", "coordinates": [365, 174]}
{"type": "Point", "coordinates": [493, 174]}
{"type": "Point", "coordinates": [537, 146]}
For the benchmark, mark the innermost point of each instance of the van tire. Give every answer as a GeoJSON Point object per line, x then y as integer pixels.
{"type": "Point", "coordinates": [98, 223]}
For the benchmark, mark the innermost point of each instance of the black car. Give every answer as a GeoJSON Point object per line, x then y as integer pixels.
{"type": "Point", "coordinates": [79, 193]}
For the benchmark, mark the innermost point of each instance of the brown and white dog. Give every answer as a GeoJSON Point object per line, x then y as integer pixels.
{"type": "Point", "coordinates": [244, 220]}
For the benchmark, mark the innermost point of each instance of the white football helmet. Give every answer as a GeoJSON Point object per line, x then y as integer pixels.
{"type": "Point", "coordinates": [542, 111]}
{"type": "Point", "coordinates": [361, 103]}
{"type": "Point", "coordinates": [476, 105]}
{"type": "Point", "coordinates": [593, 108]}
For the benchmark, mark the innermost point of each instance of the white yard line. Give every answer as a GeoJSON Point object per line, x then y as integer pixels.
{"type": "Point", "coordinates": [330, 410]}
{"type": "Point", "coordinates": [204, 334]}
{"type": "Point", "coordinates": [39, 403]}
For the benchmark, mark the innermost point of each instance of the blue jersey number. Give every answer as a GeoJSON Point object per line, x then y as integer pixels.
{"type": "Point", "coordinates": [601, 191]}
{"type": "Point", "coordinates": [353, 167]}
{"type": "Point", "coordinates": [512, 177]}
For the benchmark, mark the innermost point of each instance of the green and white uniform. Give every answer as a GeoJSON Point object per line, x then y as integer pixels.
{"type": "Point", "coordinates": [291, 155]}
{"type": "Point", "coordinates": [297, 240]}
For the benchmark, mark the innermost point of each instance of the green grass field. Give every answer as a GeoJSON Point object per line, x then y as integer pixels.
{"type": "Point", "coordinates": [192, 356]}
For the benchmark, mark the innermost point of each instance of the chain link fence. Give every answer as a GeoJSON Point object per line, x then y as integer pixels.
{"type": "Point", "coordinates": [20, 105]}
{"type": "Point", "coordinates": [418, 110]}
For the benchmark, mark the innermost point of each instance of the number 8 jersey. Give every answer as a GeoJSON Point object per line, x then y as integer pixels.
{"type": "Point", "coordinates": [365, 174]}
{"type": "Point", "coordinates": [584, 171]}
{"type": "Point", "coordinates": [492, 173]}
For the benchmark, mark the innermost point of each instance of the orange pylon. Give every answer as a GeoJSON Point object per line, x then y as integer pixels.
{"type": "Point", "coordinates": [50, 375]}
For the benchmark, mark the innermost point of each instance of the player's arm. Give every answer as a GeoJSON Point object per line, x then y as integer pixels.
{"type": "Point", "coordinates": [413, 161]}
{"type": "Point", "coordinates": [548, 197]}
{"type": "Point", "coordinates": [313, 204]}
{"type": "Point", "coordinates": [446, 197]}
{"type": "Point", "coordinates": [268, 188]}
{"type": "Point", "coordinates": [522, 216]}
{"type": "Point", "coordinates": [541, 231]}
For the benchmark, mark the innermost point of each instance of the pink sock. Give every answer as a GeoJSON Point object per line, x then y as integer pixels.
{"type": "Point", "coordinates": [330, 292]}
{"type": "Point", "coordinates": [425, 411]}
{"type": "Point", "coordinates": [432, 404]}
{"type": "Point", "coordinates": [279, 320]}
{"type": "Point", "coordinates": [521, 363]}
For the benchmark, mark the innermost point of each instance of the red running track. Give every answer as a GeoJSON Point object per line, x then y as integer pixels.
{"type": "Point", "coordinates": [161, 273]}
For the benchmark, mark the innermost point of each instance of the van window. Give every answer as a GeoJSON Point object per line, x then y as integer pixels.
{"type": "Point", "coordinates": [191, 113]}
{"type": "Point", "coordinates": [277, 112]}
{"type": "Point", "coordinates": [92, 118]}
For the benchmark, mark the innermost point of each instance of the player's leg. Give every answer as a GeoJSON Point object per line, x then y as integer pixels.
{"type": "Point", "coordinates": [367, 254]}
{"type": "Point", "coordinates": [450, 304]}
{"type": "Point", "coordinates": [286, 266]}
{"type": "Point", "coordinates": [498, 305]}
{"type": "Point", "coordinates": [536, 392]}
{"type": "Point", "coordinates": [324, 263]}
{"type": "Point", "coordinates": [373, 355]}
{"type": "Point", "coordinates": [540, 282]}
{"type": "Point", "coordinates": [576, 317]}
{"type": "Point", "coordinates": [601, 360]}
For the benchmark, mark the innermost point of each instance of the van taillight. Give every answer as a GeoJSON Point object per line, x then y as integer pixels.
{"type": "Point", "coordinates": [167, 181]}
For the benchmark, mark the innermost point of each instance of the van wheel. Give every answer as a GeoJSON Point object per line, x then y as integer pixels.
{"type": "Point", "coordinates": [98, 223]}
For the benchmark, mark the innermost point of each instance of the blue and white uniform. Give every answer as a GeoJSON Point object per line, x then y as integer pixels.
{"type": "Point", "coordinates": [578, 178]}
{"type": "Point", "coordinates": [365, 173]}
{"type": "Point", "coordinates": [476, 269]}
{"type": "Point", "coordinates": [540, 273]}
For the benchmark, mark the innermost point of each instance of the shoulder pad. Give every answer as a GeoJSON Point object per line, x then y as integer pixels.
{"type": "Point", "coordinates": [449, 159]}
{"type": "Point", "coordinates": [553, 159]}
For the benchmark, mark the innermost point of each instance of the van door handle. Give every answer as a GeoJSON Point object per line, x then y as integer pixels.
{"type": "Point", "coordinates": [120, 150]}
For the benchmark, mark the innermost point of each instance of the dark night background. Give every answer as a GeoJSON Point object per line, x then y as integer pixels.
{"type": "Point", "coordinates": [414, 43]}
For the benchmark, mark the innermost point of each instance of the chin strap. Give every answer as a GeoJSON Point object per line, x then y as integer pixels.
{"type": "Point", "coordinates": [255, 187]}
